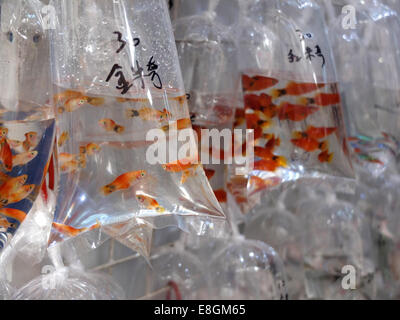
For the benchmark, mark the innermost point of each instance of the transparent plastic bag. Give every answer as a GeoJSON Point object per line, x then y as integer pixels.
{"type": "Point", "coordinates": [291, 94]}
{"type": "Point", "coordinates": [27, 121]}
{"type": "Point", "coordinates": [115, 82]}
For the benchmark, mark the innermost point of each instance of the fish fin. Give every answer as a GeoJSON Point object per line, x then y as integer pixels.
{"type": "Point", "coordinates": [131, 113]}
{"type": "Point", "coordinates": [323, 146]}
{"type": "Point", "coordinates": [282, 161]}
{"type": "Point", "coordinates": [96, 102]}
{"type": "Point", "coordinates": [160, 209]}
{"type": "Point", "coordinates": [276, 93]}
{"type": "Point", "coordinates": [119, 129]}
{"type": "Point", "coordinates": [305, 101]}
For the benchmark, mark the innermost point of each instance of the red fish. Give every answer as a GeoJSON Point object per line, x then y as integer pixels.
{"type": "Point", "coordinates": [309, 144]}
{"type": "Point", "coordinates": [257, 184]}
{"type": "Point", "coordinates": [239, 118]}
{"type": "Point", "coordinates": [71, 231]}
{"type": "Point", "coordinates": [322, 99]}
{"type": "Point", "coordinates": [325, 156]}
{"type": "Point", "coordinates": [209, 173]}
{"type": "Point", "coordinates": [254, 121]}
{"type": "Point", "coordinates": [296, 89]}
{"type": "Point", "coordinates": [221, 195]}
{"type": "Point", "coordinates": [314, 132]}
{"type": "Point", "coordinates": [294, 112]}
{"type": "Point", "coordinates": [257, 83]}
{"type": "Point", "coordinates": [124, 181]}
{"type": "Point", "coordinates": [6, 154]}
{"type": "Point", "coordinates": [269, 165]}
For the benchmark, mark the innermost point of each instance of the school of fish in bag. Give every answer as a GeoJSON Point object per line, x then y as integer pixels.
{"type": "Point", "coordinates": [121, 109]}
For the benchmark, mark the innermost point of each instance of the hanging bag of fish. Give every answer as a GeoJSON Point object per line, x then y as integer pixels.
{"type": "Point", "coordinates": [291, 94]}
{"type": "Point", "coordinates": [367, 50]}
{"type": "Point", "coordinates": [120, 101]}
{"type": "Point", "coordinates": [27, 123]}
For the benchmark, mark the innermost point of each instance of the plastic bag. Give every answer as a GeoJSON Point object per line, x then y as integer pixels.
{"type": "Point", "coordinates": [291, 94]}
{"type": "Point", "coordinates": [367, 56]}
{"type": "Point", "coordinates": [115, 82]}
{"type": "Point", "coordinates": [27, 122]}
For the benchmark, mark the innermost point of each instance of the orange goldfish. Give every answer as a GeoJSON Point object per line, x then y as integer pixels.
{"type": "Point", "coordinates": [253, 121]}
{"type": "Point", "coordinates": [309, 144]}
{"type": "Point", "coordinates": [124, 181]}
{"type": "Point", "coordinates": [111, 125]}
{"type": "Point", "coordinates": [71, 231]}
{"type": "Point", "coordinates": [66, 157]}
{"type": "Point", "coordinates": [266, 165]}
{"type": "Point", "coordinates": [322, 99]}
{"type": "Point", "coordinates": [95, 101]}
{"type": "Point", "coordinates": [266, 154]}
{"type": "Point", "coordinates": [4, 223]}
{"type": "Point", "coordinates": [73, 104]}
{"type": "Point", "coordinates": [21, 194]}
{"type": "Point", "coordinates": [257, 83]}
{"type": "Point", "coordinates": [296, 89]}
{"type": "Point", "coordinates": [14, 214]}
{"type": "Point", "coordinates": [90, 149]}
{"type": "Point", "coordinates": [31, 140]}
{"type": "Point", "coordinates": [314, 133]}
{"type": "Point", "coordinates": [66, 95]}
{"type": "Point", "coordinates": [23, 158]}
{"type": "Point", "coordinates": [149, 202]}
{"type": "Point", "coordinates": [3, 132]}
{"type": "Point", "coordinates": [71, 162]}
{"type": "Point", "coordinates": [221, 195]}
{"type": "Point", "coordinates": [180, 124]}
{"type": "Point", "coordinates": [258, 184]}
{"type": "Point", "coordinates": [63, 138]}
{"type": "Point", "coordinates": [295, 112]}
{"type": "Point", "coordinates": [209, 173]}
{"type": "Point", "coordinates": [149, 114]}
{"type": "Point", "coordinates": [261, 104]}
{"type": "Point", "coordinates": [12, 185]}
{"type": "Point", "coordinates": [179, 166]}
{"type": "Point", "coordinates": [325, 156]}
{"type": "Point", "coordinates": [6, 154]}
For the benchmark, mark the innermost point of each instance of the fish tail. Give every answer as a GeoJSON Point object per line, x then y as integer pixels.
{"type": "Point", "coordinates": [95, 101]}
{"type": "Point", "coordinates": [305, 101]}
{"type": "Point", "coordinates": [282, 162]}
{"type": "Point", "coordinates": [119, 129]}
{"type": "Point", "coordinates": [132, 113]}
{"type": "Point", "coordinates": [323, 146]}
{"type": "Point", "coordinates": [160, 209]}
{"type": "Point", "coordinates": [276, 93]}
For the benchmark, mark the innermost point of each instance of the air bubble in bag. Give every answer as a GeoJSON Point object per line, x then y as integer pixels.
{"type": "Point", "coordinates": [115, 81]}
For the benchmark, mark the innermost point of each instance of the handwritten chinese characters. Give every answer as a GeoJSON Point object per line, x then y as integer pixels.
{"type": "Point", "coordinates": [138, 72]}
{"type": "Point", "coordinates": [309, 54]}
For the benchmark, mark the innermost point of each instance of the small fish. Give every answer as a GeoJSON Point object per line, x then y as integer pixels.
{"type": "Point", "coordinates": [90, 149]}
{"type": "Point", "coordinates": [31, 141]}
{"type": "Point", "coordinates": [261, 104]}
{"type": "Point", "coordinates": [273, 142]}
{"type": "Point", "coordinates": [21, 194]}
{"type": "Point", "coordinates": [73, 104]}
{"type": "Point", "coordinates": [257, 184]}
{"type": "Point", "coordinates": [6, 156]}
{"type": "Point", "coordinates": [124, 181]}
{"type": "Point", "coordinates": [71, 231]}
{"type": "Point", "coordinates": [66, 95]}
{"type": "Point", "coordinates": [72, 162]}
{"type": "Point", "coordinates": [180, 165]}
{"type": "Point", "coordinates": [314, 132]}
{"type": "Point", "coordinates": [296, 89]}
{"type": "Point", "coordinates": [209, 173]}
{"type": "Point", "coordinates": [149, 114]}
{"type": "Point", "coordinates": [295, 112]}
{"type": "Point", "coordinates": [6, 224]}
{"type": "Point", "coordinates": [123, 100]}
{"type": "Point", "coordinates": [325, 156]}
{"type": "Point", "coordinates": [23, 158]}
{"type": "Point", "coordinates": [254, 121]}
{"type": "Point", "coordinates": [239, 117]}
{"type": "Point", "coordinates": [180, 125]}
{"type": "Point", "coordinates": [322, 99]}
{"type": "Point", "coordinates": [66, 157]}
{"type": "Point", "coordinates": [14, 144]}
{"type": "Point", "coordinates": [14, 214]}
{"type": "Point", "coordinates": [149, 202]}
{"type": "Point", "coordinates": [370, 159]}
{"type": "Point", "coordinates": [309, 144]}
{"type": "Point", "coordinates": [269, 165]}
{"type": "Point", "coordinates": [12, 185]}
{"type": "Point", "coordinates": [111, 126]}
{"type": "Point", "coordinates": [63, 138]}
{"type": "Point", "coordinates": [3, 132]}
{"type": "Point", "coordinates": [257, 83]}
{"type": "Point", "coordinates": [221, 195]}
{"type": "Point", "coordinates": [95, 101]}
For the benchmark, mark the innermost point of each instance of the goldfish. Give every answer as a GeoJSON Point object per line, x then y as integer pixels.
{"type": "Point", "coordinates": [66, 95]}
{"type": "Point", "coordinates": [71, 231]}
{"type": "Point", "coordinates": [253, 121]}
{"type": "Point", "coordinates": [296, 89]}
{"type": "Point", "coordinates": [209, 173]}
{"type": "Point", "coordinates": [315, 133]}
{"type": "Point", "coordinates": [257, 83]}
{"type": "Point", "coordinates": [261, 104]}
{"type": "Point", "coordinates": [273, 142]}
{"type": "Point", "coordinates": [14, 214]}
{"type": "Point", "coordinates": [12, 185]}
{"type": "Point", "coordinates": [90, 149]}
{"type": "Point", "coordinates": [309, 144]}
{"type": "Point", "coordinates": [21, 194]}
{"type": "Point", "coordinates": [111, 125]}
{"type": "Point", "coordinates": [6, 156]}
{"type": "Point", "coordinates": [14, 144]}
{"type": "Point", "coordinates": [295, 112]}
{"type": "Point", "coordinates": [325, 156]}
{"type": "Point", "coordinates": [124, 181]}
{"type": "Point", "coordinates": [269, 165]}
{"type": "Point", "coordinates": [3, 132]}
{"type": "Point", "coordinates": [257, 184]}
{"type": "Point", "coordinates": [186, 166]}
{"type": "Point", "coordinates": [239, 117]}
{"type": "Point", "coordinates": [66, 157]}
{"type": "Point", "coordinates": [63, 138]}
{"type": "Point", "coordinates": [31, 141]}
{"type": "Point", "coordinates": [23, 158]}
{"type": "Point", "coordinates": [4, 223]}
{"type": "Point", "coordinates": [71, 162]}
{"type": "Point", "coordinates": [266, 154]}
{"type": "Point", "coordinates": [73, 104]}
{"type": "Point", "coordinates": [95, 101]}
{"type": "Point", "coordinates": [221, 195]}
{"type": "Point", "coordinates": [149, 202]}
{"type": "Point", "coordinates": [181, 99]}
{"type": "Point", "coordinates": [180, 125]}
{"type": "Point", "coordinates": [321, 99]}
{"type": "Point", "coordinates": [149, 114]}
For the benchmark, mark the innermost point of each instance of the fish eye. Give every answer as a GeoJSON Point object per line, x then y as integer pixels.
{"type": "Point", "coordinates": [4, 201]}
{"type": "Point", "coordinates": [143, 174]}
{"type": "Point", "coordinates": [36, 38]}
{"type": "Point", "coordinates": [10, 36]}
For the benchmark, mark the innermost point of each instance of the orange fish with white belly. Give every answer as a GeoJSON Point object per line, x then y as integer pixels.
{"type": "Point", "coordinates": [71, 231]}
{"type": "Point", "coordinates": [31, 140]}
{"type": "Point", "coordinates": [149, 114]}
{"type": "Point", "coordinates": [111, 126]}
{"type": "Point", "coordinates": [23, 158]}
{"type": "Point", "coordinates": [124, 181]}
{"type": "Point", "coordinates": [186, 166]}
{"type": "Point", "coordinates": [149, 202]}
